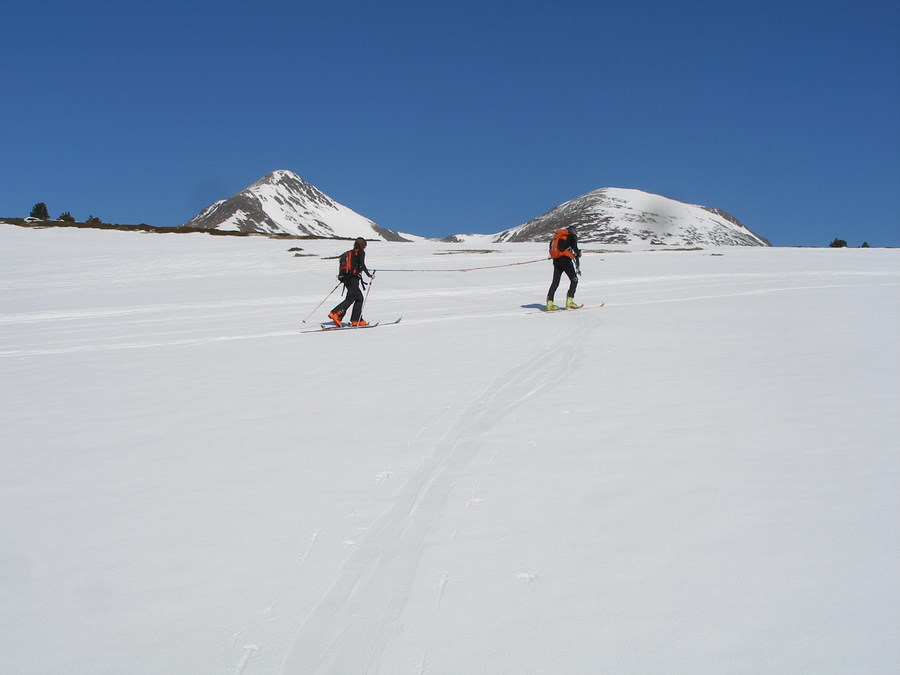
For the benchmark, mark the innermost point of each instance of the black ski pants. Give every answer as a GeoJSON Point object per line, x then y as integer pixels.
{"type": "Point", "coordinates": [354, 297]}
{"type": "Point", "coordinates": [563, 265]}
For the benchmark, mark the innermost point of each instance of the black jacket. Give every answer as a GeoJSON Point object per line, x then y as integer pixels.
{"type": "Point", "coordinates": [570, 243]}
{"type": "Point", "coordinates": [361, 262]}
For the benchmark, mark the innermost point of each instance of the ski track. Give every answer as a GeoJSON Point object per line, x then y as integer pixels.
{"type": "Point", "coordinates": [221, 312]}
{"type": "Point", "coordinates": [83, 314]}
{"type": "Point", "coordinates": [168, 308]}
{"type": "Point", "coordinates": [348, 629]}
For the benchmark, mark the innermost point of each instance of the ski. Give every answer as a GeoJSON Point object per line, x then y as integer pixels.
{"type": "Point", "coordinates": [567, 309]}
{"type": "Point", "coordinates": [325, 327]}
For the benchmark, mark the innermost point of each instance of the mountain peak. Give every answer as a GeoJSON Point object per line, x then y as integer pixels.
{"type": "Point", "coordinates": [281, 202]}
{"type": "Point", "coordinates": [280, 174]}
{"type": "Point", "coordinates": [622, 216]}
{"type": "Point", "coordinates": [284, 178]}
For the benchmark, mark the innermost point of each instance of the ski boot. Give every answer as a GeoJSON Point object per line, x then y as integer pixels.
{"type": "Point", "coordinates": [361, 322]}
{"type": "Point", "coordinates": [336, 317]}
{"type": "Point", "coordinates": [571, 304]}
{"type": "Point", "coordinates": [551, 307]}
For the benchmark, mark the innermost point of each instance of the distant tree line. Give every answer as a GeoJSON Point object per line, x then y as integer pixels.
{"type": "Point", "coordinates": [842, 243]}
{"type": "Point", "coordinates": [41, 212]}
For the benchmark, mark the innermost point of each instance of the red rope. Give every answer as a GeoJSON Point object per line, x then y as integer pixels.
{"type": "Point", "coordinates": [470, 269]}
{"type": "Point", "coordinates": [490, 267]}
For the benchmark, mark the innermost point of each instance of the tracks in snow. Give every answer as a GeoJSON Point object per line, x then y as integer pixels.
{"type": "Point", "coordinates": [347, 631]}
{"type": "Point", "coordinates": [78, 331]}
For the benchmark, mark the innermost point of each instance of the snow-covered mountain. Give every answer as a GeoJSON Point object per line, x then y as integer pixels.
{"type": "Point", "coordinates": [284, 203]}
{"type": "Point", "coordinates": [620, 216]}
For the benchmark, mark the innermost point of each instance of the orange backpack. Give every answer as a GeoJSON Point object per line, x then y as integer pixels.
{"type": "Point", "coordinates": [348, 263]}
{"type": "Point", "coordinates": [559, 245]}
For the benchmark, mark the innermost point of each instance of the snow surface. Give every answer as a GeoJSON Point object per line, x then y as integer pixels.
{"type": "Point", "coordinates": [700, 477]}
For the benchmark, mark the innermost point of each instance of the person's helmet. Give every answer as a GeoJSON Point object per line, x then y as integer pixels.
{"type": "Point", "coordinates": [572, 229]}
{"type": "Point", "coordinates": [359, 243]}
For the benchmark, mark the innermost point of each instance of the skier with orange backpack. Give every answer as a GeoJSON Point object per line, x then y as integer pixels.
{"type": "Point", "coordinates": [352, 265]}
{"type": "Point", "coordinates": [566, 258]}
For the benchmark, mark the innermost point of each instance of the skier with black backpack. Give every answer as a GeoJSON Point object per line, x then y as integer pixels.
{"type": "Point", "coordinates": [566, 258]}
{"type": "Point", "coordinates": [352, 264]}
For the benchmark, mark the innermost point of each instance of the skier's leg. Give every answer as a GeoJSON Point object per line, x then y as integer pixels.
{"type": "Point", "coordinates": [350, 284]}
{"type": "Point", "coordinates": [573, 278]}
{"type": "Point", "coordinates": [355, 296]}
{"type": "Point", "coordinates": [557, 275]}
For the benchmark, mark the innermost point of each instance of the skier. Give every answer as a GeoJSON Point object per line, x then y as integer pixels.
{"type": "Point", "coordinates": [352, 267]}
{"type": "Point", "coordinates": [566, 259]}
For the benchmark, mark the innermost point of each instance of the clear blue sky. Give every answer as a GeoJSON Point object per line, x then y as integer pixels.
{"type": "Point", "coordinates": [464, 116]}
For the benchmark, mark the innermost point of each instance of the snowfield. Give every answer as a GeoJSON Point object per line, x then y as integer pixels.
{"type": "Point", "coordinates": [700, 477]}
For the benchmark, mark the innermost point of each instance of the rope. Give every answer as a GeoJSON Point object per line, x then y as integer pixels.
{"type": "Point", "coordinates": [490, 267]}
{"type": "Point", "coordinates": [381, 269]}
{"type": "Point", "coordinates": [469, 269]}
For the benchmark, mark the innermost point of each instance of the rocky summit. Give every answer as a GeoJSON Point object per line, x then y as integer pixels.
{"type": "Point", "coordinates": [282, 203]}
{"type": "Point", "coordinates": [618, 216]}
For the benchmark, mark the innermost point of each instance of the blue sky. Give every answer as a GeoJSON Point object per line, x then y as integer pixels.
{"type": "Point", "coordinates": [440, 118]}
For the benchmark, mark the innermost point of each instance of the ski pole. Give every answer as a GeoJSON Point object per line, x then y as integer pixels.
{"type": "Point", "coordinates": [368, 288]}
{"type": "Point", "coordinates": [323, 302]}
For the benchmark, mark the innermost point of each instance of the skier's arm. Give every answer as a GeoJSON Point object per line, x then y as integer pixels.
{"type": "Point", "coordinates": [362, 263]}
{"type": "Point", "coordinates": [573, 244]}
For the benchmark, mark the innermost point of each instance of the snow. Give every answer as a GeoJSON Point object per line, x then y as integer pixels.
{"type": "Point", "coordinates": [283, 203]}
{"type": "Point", "coordinates": [483, 240]}
{"type": "Point", "coordinates": [309, 210]}
{"type": "Point", "coordinates": [699, 477]}
{"type": "Point", "coordinates": [612, 215]}
{"type": "Point", "coordinates": [292, 215]}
